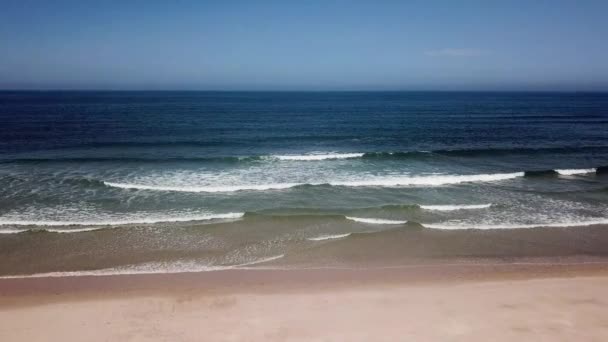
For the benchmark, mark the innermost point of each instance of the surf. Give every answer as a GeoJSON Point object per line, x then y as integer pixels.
{"type": "Point", "coordinates": [423, 180]}
{"type": "Point", "coordinates": [565, 224]}
{"type": "Point", "coordinates": [453, 207]}
{"type": "Point", "coordinates": [318, 157]}
{"type": "Point", "coordinates": [150, 220]}
{"type": "Point", "coordinates": [329, 237]}
{"type": "Point", "coordinates": [148, 268]}
{"type": "Point", "coordinates": [369, 220]}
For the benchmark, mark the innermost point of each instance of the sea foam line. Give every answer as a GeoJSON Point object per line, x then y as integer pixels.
{"type": "Point", "coordinates": [516, 226]}
{"type": "Point", "coordinates": [329, 237]}
{"type": "Point", "coordinates": [112, 223]}
{"type": "Point", "coordinates": [315, 157]}
{"type": "Point", "coordinates": [431, 180]}
{"type": "Point", "coordinates": [374, 220]}
{"type": "Point", "coordinates": [449, 207]}
{"type": "Point", "coordinates": [569, 172]}
{"type": "Point", "coordinates": [148, 268]}
{"type": "Point", "coordinates": [226, 188]}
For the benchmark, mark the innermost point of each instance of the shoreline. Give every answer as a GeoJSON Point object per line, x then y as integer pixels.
{"type": "Point", "coordinates": [260, 279]}
{"type": "Point", "coordinates": [501, 301]}
{"type": "Point", "coordinates": [208, 250]}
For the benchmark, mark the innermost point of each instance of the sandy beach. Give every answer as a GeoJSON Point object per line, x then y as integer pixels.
{"type": "Point", "coordinates": [540, 301]}
{"type": "Point", "coordinates": [331, 171]}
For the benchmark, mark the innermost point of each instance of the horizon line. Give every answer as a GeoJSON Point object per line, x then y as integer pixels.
{"type": "Point", "coordinates": [304, 90]}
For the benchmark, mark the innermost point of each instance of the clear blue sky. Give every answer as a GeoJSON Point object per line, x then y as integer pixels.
{"type": "Point", "coordinates": [304, 45]}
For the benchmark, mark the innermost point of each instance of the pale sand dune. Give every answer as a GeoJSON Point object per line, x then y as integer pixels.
{"type": "Point", "coordinates": [540, 309]}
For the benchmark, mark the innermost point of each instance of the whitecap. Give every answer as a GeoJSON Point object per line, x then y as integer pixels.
{"type": "Point", "coordinates": [432, 180]}
{"type": "Point", "coordinates": [449, 207]}
{"type": "Point", "coordinates": [316, 157]}
{"type": "Point", "coordinates": [515, 225]}
{"type": "Point", "coordinates": [328, 237]}
{"type": "Point", "coordinates": [142, 220]}
{"type": "Point", "coordinates": [569, 172]}
{"type": "Point", "coordinates": [374, 220]}
{"type": "Point", "coordinates": [429, 180]}
{"type": "Point", "coordinates": [225, 188]}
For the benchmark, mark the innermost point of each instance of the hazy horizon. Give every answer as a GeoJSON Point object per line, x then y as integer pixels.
{"type": "Point", "coordinates": [314, 46]}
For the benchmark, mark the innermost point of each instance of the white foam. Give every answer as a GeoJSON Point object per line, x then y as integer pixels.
{"type": "Point", "coordinates": [515, 226]}
{"type": "Point", "coordinates": [148, 268]}
{"type": "Point", "coordinates": [226, 188]}
{"type": "Point", "coordinates": [13, 231]}
{"type": "Point", "coordinates": [315, 157]}
{"type": "Point", "coordinates": [432, 180]}
{"type": "Point", "coordinates": [455, 207]}
{"type": "Point", "coordinates": [429, 180]}
{"type": "Point", "coordinates": [374, 220]}
{"type": "Point", "coordinates": [569, 172]}
{"type": "Point", "coordinates": [328, 237]}
{"type": "Point", "coordinates": [149, 220]}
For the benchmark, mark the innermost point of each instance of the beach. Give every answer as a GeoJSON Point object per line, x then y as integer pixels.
{"type": "Point", "coordinates": [303, 216]}
{"type": "Point", "coordinates": [399, 284]}
{"type": "Point", "coordinates": [303, 171]}
{"type": "Point", "coordinates": [549, 301]}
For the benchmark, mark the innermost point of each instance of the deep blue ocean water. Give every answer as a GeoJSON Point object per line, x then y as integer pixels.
{"type": "Point", "coordinates": [262, 172]}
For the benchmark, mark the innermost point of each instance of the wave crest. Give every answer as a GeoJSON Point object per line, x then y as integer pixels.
{"type": "Point", "coordinates": [432, 180]}
{"type": "Point", "coordinates": [569, 172]}
{"type": "Point", "coordinates": [374, 220]}
{"type": "Point", "coordinates": [226, 188]}
{"type": "Point", "coordinates": [329, 237]}
{"type": "Point", "coordinates": [111, 223]}
{"type": "Point", "coordinates": [455, 207]}
{"type": "Point", "coordinates": [316, 157]}
{"type": "Point", "coordinates": [448, 226]}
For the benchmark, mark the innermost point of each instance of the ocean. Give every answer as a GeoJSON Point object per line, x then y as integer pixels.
{"type": "Point", "coordinates": [146, 182]}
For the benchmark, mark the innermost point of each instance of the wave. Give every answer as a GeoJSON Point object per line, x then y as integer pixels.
{"type": "Point", "coordinates": [455, 207]}
{"type": "Point", "coordinates": [516, 226]}
{"type": "Point", "coordinates": [562, 172]}
{"type": "Point", "coordinates": [54, 230]}
{"type": "Point", "coordinates": [226, 188]}
{"type": "Point", "coordinates": [13, 231]}
{"type": "Point", "coordinates": [569, 172]}
{"type": "Point", "coordinates": [374, 220]}
{"type": "Point", "coordinates": [329, 237]}
{"type": "Point", "coordinates": [148, 268]}
{"type": "Point", "coordinates": [316, 157]}
{"type": "Point", "coordinates": [432, 180]}
{"type": "Point", "coordinates": [313, 156]}
{"type": "Point", "coordinates": [112, 223]}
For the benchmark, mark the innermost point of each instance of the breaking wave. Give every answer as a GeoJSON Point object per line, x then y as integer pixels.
{"type": "Point", "coordinates": [569, 172]}
{"type": "Point", "coordinates": [148, 268]}
{"type": "Point", "coordinates": [374, 220]}
{"type": "Point", "coordinates": [96, 224]}
{"type": "Point", "coordinates": [329, 237]}
{"type": "Point", "coordinates": [430, 180]}
{"type": "Point", "coordinates": [515, 226]}
{"type": "Point", "coordinates": [455, 207]}
{"type": "Point", "coordinates": [316, 157]}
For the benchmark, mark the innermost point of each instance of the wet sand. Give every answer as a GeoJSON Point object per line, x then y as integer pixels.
{"type": "Point", "coordinates": [550, 299]}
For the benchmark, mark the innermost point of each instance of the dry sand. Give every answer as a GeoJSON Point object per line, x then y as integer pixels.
{"type": "Point", "coordinates": [548, 302]}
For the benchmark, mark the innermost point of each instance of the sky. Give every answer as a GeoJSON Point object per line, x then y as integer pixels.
{"type": "Point", "coordinates": [304, 45]}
